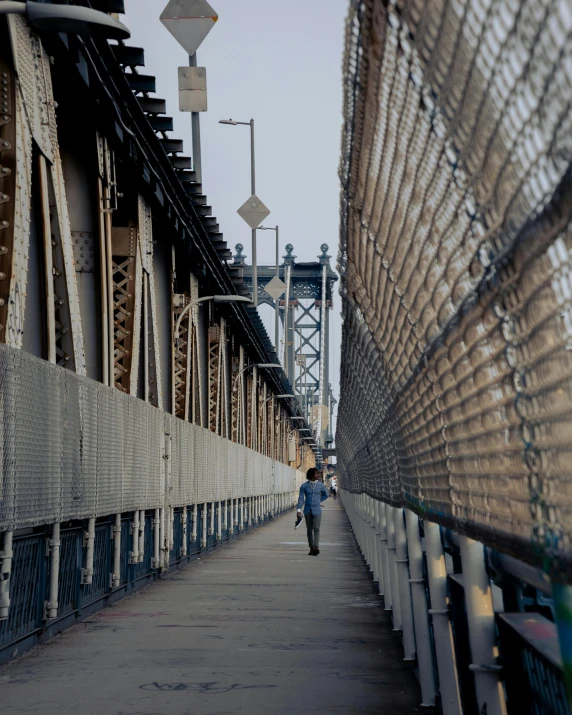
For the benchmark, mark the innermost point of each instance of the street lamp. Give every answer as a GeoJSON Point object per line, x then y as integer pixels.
{"type": "Point", "coordinates": [275, 228]}
{"type": "Point", "coordinates": [215, 299]}
{"type": "Point", "coordinates": [250, 124]}
{"type": "Point", "coordinates": [260, 365]}
{"type": "Point", "coordinates": [278, 397]}
{"type": "Point", "coordinates": [70, 19]}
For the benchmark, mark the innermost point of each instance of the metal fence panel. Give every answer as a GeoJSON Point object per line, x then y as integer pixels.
{"type": "Point", "coordinates": [27, 588]}
{"type": "Point", "coordinates": [455, 257]}
{"type": "Point", "coordinates": [75, 449]}
{"type": "Point", "coordinates": [102, 552]}
{"type": "Point", "coordinates": [69, 573]}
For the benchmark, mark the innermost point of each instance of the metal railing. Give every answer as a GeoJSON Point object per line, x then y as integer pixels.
{"type": "Point", "coordinates": [479, 625]}
{"type": "Point", "coordinates": [28, 620]}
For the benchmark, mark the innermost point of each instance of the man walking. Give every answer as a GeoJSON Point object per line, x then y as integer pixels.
{"type": "Point", "coordinates": [334, 487]}
{"type": "Point", "coordinates": [313, 493]}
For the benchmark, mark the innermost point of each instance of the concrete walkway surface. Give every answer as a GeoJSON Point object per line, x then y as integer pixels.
{"type": "Point", "coordinates": [256, 627]}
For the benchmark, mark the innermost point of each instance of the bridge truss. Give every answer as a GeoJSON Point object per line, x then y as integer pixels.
{"type": "Point", "coordinates": [304, 312]}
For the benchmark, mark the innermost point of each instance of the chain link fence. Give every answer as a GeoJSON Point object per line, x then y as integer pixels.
{"type": "Point", "coordinates": [455, 257]}
{"type": "Point", "coordinates": [72, 448]}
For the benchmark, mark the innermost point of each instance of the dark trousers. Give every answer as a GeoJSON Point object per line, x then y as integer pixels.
{"type": "Point", "coordinates": [313, 522]}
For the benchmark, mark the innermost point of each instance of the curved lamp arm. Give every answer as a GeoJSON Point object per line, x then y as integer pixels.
{"type": "Point", "coordinates": [262, 365]}
{"type": "Point", "coordinates": [278, 397]}
{"type": "Point", "coordinates": [185, 311]}
{"type": "Point", "coordinates": [215, 299]}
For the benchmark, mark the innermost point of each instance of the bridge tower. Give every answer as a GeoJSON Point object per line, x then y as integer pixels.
{"type": "Point", "coordinates": [304, 310]}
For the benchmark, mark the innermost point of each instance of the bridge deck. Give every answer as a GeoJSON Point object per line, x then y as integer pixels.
{"type": "Point", "coordinates": [256, 627]}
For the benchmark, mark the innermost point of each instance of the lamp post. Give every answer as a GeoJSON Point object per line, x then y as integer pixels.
{"type": "Point", "coordinates": [250, 124]}
{"type": "Point", "coordinates": [275, 228]}
{"type": "Point", "coordinates": [260, 365]}
{"type": "Point", "coordinates": [278, 397]}
{"type": "Point", "coordinates": [215, 299]}
{"type": "Point", "coordinates": [187, 308]}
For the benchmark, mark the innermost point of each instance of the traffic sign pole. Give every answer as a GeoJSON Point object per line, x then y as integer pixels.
{"type": "Point", "coordinates": [196, 133]}
{"type": "Point", "coordinates": [253, 189]}
{"type": "Point", "coordinates": [276, 311]}
{"type": "Point", "coordinates": [190, 21]}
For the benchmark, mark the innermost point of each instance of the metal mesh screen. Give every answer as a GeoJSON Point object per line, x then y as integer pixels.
{"type": "Point", "coordinates": [72, 448]}
{"type": "Point", "coordinates": [456, 235]}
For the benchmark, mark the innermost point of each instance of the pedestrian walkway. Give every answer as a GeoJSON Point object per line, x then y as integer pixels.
{"type": "Point", "coordinates": [256, 627]}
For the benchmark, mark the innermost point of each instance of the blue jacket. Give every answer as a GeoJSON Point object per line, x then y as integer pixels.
{"type": "Point", "coordinates": [314, 493]}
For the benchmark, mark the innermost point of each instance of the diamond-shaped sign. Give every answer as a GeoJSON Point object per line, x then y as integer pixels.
{"type": "Point", "coordinates": [253, 211]}
{"type": "Point", "coordinates": [275, 288]}
{"type": "Point", "coordinates": [189, 21]}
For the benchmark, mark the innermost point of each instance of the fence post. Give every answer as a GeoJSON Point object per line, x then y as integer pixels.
{"type": "Point", "coordinates": [384, 556]}
{"type": "Point", "coordinates": [55, 545]}
{"type": "Point", "coordinates": [134, 556]}
{"type": "Point", "coordinates": [141, 536]}
{"type": "Point", "coordinates": [420, 615]}
{"type": "Point", "coordinates": [376, 547]}
{"type": "Point", "coordinates": [371, 538]}
{"type": "Point", "coordinates": [395, 602]}
{"type": "Point", "coordinates": [194, 524]}
{"type": "Point", "coordinates": [116, 577]}
{"type": "Point", "coordinates": [562, 594]}
{"type": "Point", "coordinates": [224, 507]}
{"type": "Point", "coordinates": [6, 556]}
{"type": "Point", "coordinates": [365, 529]}
{"type": "Point", "coordinates": [163, 559]}
{"type": "Point", "coordinates": [171, 532]}
{"type": "Point", "coordinates": [205, 517]}
{"type": "Point", "coordinates": [87, 576]}
{"type": "Point", "coordinates": [184, 529]}
{"type": "Point", "coordinates": [439, 611]}
{"type": "Point", "coordinates": [402, 563]}
{"type": "Point", "coordinates": [482, 635]}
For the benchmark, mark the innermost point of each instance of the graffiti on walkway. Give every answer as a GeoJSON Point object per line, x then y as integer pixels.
{"type": "Point", "coordinates": [209, 688]}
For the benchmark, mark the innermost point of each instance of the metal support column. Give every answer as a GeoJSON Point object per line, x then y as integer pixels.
{"type": "Point", "coordinates": [482, 634]}
{"type": "Point", "coordinates": [420, 616]}
{"type": "Point", "coordinates": [385, 557]}
{"type": "Point", "coordinates": [439, 612]}
{"type": "Point", "coordinates": [395, 600]}
{"type": "Point", "coordinates": [402, 563]}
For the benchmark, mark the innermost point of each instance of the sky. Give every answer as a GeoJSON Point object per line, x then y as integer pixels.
{"type": "Point", "coordinates": [280, 64]}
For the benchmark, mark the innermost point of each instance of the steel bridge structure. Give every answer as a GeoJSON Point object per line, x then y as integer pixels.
{"type": "Point", "coordinates": [146, 419]}
{"type": "Point", "coordinates": [304, 312]}
{"type": "Point", "coordinates": [126, 448]}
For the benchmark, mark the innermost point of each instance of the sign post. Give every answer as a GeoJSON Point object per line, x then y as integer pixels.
{"type": "Point", "coordinates": [190, 21]}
